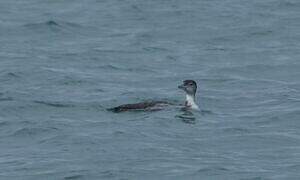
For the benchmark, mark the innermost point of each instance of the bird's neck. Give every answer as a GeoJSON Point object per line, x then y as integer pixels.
{"type": "Point", "coordinates": [190, 101]}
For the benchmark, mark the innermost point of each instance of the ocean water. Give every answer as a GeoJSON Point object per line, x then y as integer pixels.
{"type": "Point", "coordinates": [62, 63]}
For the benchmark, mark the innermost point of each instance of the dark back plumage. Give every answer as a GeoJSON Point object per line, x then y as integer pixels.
{"type": "Point", "coordinates": [147, 105]}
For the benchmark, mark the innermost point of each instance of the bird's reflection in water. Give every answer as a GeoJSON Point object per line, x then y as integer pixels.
{"type": "Point", "coordinates": [186, 116]}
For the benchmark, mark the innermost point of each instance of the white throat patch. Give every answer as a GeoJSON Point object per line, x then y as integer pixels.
{"type": "Point", "coordinates": [190, 102]}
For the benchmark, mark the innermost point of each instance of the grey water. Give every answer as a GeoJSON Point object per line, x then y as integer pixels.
{"type": "Point", "coordinates": [63, 63]}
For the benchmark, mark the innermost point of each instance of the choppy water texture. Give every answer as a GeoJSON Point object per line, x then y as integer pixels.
{"type": "Point", "coordinates": [62, 63]}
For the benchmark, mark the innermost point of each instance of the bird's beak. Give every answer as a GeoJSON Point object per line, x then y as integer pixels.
{"type": "Point", "coordinates": [181, 87]}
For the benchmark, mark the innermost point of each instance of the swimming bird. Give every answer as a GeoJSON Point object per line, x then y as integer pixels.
{"type": "Point", "coordinates": [189, 86]}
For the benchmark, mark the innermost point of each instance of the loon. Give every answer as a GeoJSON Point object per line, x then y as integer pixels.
{"type": "Point", "coordinates": [190, 88]}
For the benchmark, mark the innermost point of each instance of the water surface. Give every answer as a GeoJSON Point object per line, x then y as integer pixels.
{"type": "Point", "coordinates": [62, 63]}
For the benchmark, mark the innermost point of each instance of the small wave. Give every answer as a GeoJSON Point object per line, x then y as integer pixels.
{"type": "Point", "coordinates": [117, 51]}
{"type": "Point", "coordinates": [72, 81]}
{"type": "Point", "coordinates": [5, 123]}
{"type": "Point", "coordinates": [3, 98]}
{"type": "Point", "coordinates": [213, 170]}
{"type": "Point", "coordinates": [261, 33]}
{"type": "Point", "coordinates": [290, 116]}
{"type": "Point", "coordinates": [253, 178]}
{"type": "Point", "coordinates": [236, 130]}
{"type": "Point", "coordinates": [110, 67]}
{"type": "Point", "coordinates": [12, 74]}
{"type": "Point", "coordinates": [136, 8]}
{"type": "Point", "coordinates": [295, 167]}
{"type": "Point", "coordinates": [52, 26]}
{"type": "Point", "coordinates": [216, 49]}
{"type": "Point", "coordinates": [119, 34]}
{"type": "Point", "coordinates": [52, 23]}
{"type": "Point", "coordinates": [218, 79]}
{"type": "Point", "coordinates": [29, 132]}
{"type": "Point", "coordinates": [73, 177]}
{"type": "Point", "coordinates": [261, 67]}
{"type": "Point", "coordinates": [6, 99]}
{"type": "Point", "coordinates": [108, 174]}
{"type": "Point", "coordinates": [135, 69]}
{"type": "Point", "coordinates": [98, 90]}
{"type": "Point", "coordinates": [42, 24]}
{"type": "Point", "coordinates": [206, 112]}
{"type": "Point", "coordinates": [156, 49]}
{"type": "Point", "coordinates": [7, 76]}
{"type": "Point", "coordinates": [55, 104]}
{"type": "Point", "coordinates": [288, 4]}
{"type": "Point", "coordinates": [173, 58]}
{"type": "Point", "coordinates": [187, 117]}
